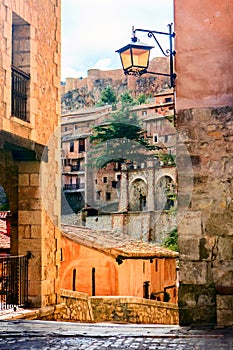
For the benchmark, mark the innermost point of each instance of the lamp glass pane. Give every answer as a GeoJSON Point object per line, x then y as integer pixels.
{"type": "Point", "coordinates": [140, 57]}
{"type": "Point", "coordinates": [126, 58]}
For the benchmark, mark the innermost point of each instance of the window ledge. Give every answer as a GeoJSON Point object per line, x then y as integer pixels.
{"type": "Point", "coordinates": [21, 122]}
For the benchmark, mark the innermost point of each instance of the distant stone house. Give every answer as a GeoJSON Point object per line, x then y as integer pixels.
{"type": "Point", "coordinates": [104, 263]}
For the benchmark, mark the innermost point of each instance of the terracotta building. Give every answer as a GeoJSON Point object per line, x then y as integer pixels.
{"type": "Point", "coordinates": [104, 263]}
{"type": "Point", "coordinates": [29, 116]}
{"type": "Point", "coordinates": [204, 104]}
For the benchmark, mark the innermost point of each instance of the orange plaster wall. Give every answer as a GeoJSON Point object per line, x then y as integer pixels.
{"type": "Point", "coordinates": [83, 259]}
{"type": "Point", "coordinates": [204, 59]}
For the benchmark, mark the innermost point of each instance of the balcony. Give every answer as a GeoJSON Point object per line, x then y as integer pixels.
{"type": "Point", "coordinates": [73, 187]}
{"type": "Point", "coordinates": [77, 168]}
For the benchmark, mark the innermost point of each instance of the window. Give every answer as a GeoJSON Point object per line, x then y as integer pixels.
{"type": "Point", "coordinates": [155, 138]}
{"type": "Point", "coordinates": [61, 255]}
{"type": "Point", "coordinates": [114, 184]}
{"type": "Point", "coordinates": [144, 112]}
{"type": "Point", "coordinates": [108, 196]}
{"type": "Point", "coordinates": [105, 179]}
{"type": "Point", "coordinates": [20, 74]}
{"type": "Point", "coordinates": [76, 127]}
{"type": "Point", "coordinates": [74, 280]}
{"type": "Point", "coordinates": [118, 177]}
{"type": "Point", "coordinates": [166, 138]}
{"type": "Point", "coordinates": [168, 99]}
{"type": "Point", "coordinates": [156, 265]}
{"type": "Point", "coordinates": [81, 145]}
{"type": "Point", "coordinates": [96, 181]}
{"type": "Point", "coordinates": [72, 146]}
{"type": "Point", "coordinates": [93, 280]}
{"type": "Point", "coordinates": [98, 193]}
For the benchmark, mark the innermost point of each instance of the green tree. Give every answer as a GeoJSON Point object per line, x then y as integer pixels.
{"type": "Point", "coordinates": [127, 99]}
{"type": "Point", "coordinates": [108, 96]}
{"type": "Point", "coordinates": [171, 242]}
{"type": "Point", "coordinates": [141, 99]}
{"type": "Point", "coordinates": [119, 139]}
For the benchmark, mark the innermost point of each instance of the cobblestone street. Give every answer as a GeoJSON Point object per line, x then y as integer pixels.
{"type": "Point", "coordinates": [42, 335]}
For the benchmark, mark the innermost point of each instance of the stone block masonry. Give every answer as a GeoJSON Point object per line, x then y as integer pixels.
{"type": "Point", "coordinates": [206, 231]}
{"type": "Point", "coordinates": [133, 310]}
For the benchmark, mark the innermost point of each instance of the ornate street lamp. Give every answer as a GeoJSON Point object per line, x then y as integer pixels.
{"type": "Point", "coordinates": [135, 56]}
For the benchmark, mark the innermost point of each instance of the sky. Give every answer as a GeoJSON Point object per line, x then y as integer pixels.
{"type": "Point", "coordinates": [92, 30]}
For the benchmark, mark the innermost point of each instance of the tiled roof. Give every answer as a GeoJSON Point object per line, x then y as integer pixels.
{"type": "Point", "coordinates": [115, 243]}
{"type": "Point", "coordinates": [4, 241]}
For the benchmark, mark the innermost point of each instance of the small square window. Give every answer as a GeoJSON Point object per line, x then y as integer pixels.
{"type": "Point", "coordinates": [105, 179]}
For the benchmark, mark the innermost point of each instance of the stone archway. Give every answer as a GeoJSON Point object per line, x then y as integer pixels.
{"type": "Point", "coordinates": [138, 195]}
{"type": "Point", "coordinates": [165, 193]}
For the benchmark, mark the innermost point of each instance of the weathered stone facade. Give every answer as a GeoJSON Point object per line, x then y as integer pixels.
{"type": "Point", "coordinates": [205, 119]}
{"type": "Point", "coordinates": [30, 51]}
{"type": "Point", "coordinates": [205, 232]}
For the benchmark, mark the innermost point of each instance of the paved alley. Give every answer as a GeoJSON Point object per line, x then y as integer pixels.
{"type": "Point", "coordinates": [46, 335]}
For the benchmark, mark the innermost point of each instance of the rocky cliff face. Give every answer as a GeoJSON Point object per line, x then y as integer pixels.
{"type": "Point", "coordinates": [80, 93]}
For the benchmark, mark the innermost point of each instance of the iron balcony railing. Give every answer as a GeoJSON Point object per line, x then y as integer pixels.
{"type": "Point", "coordinates": [19, 93]}
{"type": "Point", "coordinates": [77, 168]}
{"type": "Point", "coordinates": [13, 281]}
{"type": "Point", "coordinates": [72, 187]}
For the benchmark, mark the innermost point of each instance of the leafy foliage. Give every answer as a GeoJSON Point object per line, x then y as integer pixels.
{"type": "Point", "coordinates": [142, 99]}
{"type": "Point", "coordinates": [171, 242]}
{"type": "Point", "coordinates": [167, 159]}
{"type": "Point", "coordinates": [108, 96]}
{"type": "Point", "coordinates": [127, 99]}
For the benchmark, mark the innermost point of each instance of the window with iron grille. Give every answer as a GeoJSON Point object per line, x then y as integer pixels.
{"type": "Point", "coordinates": [19, 87]}
{"type": "Point", "coordinates": [20, 71]}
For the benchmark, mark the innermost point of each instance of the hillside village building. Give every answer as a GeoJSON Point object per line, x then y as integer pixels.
{"type": "Point", "coordinates": [85, 186]}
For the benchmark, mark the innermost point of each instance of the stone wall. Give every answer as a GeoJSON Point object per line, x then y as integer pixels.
{"type": "Point", "coordinates": [206, 230]}
{"type": "Point", "coordinates": [78, 307]}
{"type": "Point", "coordinates": [143, 226]}
{"type": "Point", "coordinates": [133, 310]}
